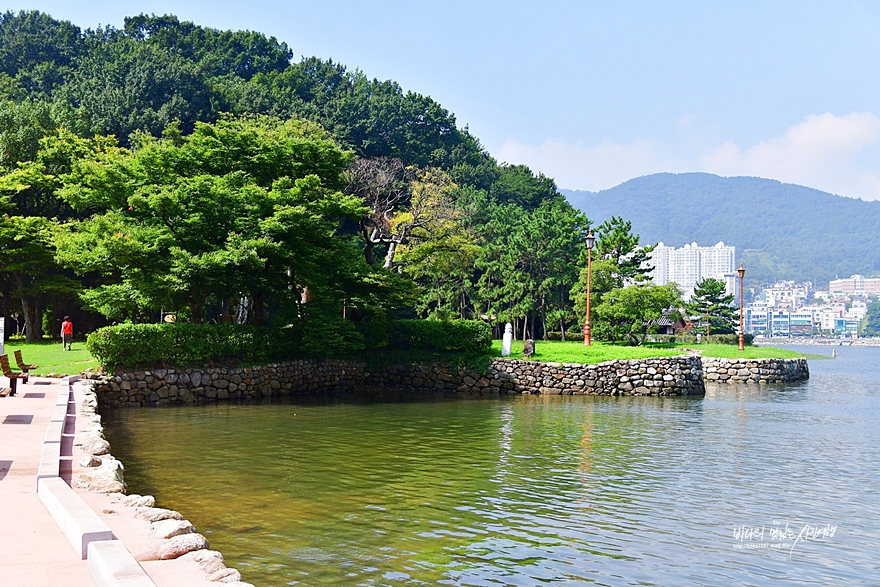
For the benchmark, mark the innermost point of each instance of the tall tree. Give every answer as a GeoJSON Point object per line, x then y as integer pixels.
{"type": "Point", "coordinates": [632, 312]}
{"type": "Point", "coordinates": [241, 207]}
{"type": "Point", "coordinates": [714, 306]}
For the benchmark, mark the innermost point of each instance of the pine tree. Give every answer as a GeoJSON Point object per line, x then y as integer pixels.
{"type": "Point", "coordinates": [711, 303]}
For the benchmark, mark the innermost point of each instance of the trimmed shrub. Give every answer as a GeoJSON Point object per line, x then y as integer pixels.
{"type": "Point", "coordinates": [128, 346]}
{"type": "Point", "coordinates": [471, 337]}
{"type": "Point", "coordinates": [148, 345]}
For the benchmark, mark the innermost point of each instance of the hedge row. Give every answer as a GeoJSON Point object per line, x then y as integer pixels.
{"type": "Point", "coordinates": [470, 337]}
{"type": "Point", "coordinates": [147, 345]}
{"type": "Point", "coordinates": [181, 345]}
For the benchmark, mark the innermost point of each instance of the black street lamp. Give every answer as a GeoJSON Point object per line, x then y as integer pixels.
{"type": "Point", "coordinates": [742, 272]}
{"type": "Point", "coordinates": [591, 240]}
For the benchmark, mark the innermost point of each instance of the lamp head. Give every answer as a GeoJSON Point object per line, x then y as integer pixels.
{"type": "Point", "coordinates": [741, 271]}
{"type": "Point", "coordinates": [591, 240]}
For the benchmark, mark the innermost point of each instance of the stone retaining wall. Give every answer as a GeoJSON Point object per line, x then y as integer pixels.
{"type": "Point", "coordinates": [683, 375]}
{"type": "Point", "coordinates": [755, 370]}
{"type": "Point", "coordinates": [660, 376]}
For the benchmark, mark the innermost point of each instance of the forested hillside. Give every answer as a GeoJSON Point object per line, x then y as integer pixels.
{"type": "Point", "coordinates": [166, 167]}
{"type": "Point", "coordinates": [781, 231]}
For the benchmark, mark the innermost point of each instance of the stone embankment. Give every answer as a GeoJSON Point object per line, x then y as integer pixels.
{"type": "Point", "coordinates": [175, 536]}
{"type": "Point", "coordinates": [683, 375]}
{"type": "Point", "coordinates": [659, 376]}
{"type": "Point", "coordinates": [755, 370]}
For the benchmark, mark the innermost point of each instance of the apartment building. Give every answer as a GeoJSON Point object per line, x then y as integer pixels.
{"type": "Point", "coordinates": [690, 264]}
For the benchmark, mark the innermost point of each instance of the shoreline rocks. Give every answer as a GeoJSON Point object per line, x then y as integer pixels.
{"type": "Point", "coordinates": [175, 536]}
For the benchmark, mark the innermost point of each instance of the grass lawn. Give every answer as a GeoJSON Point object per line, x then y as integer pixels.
{"type": "Point", "coordinates": [730, 351]}
{"type": "Point", "coordinates": [553, 351]}
{"type": "Point", "coordinates": [51, 358]}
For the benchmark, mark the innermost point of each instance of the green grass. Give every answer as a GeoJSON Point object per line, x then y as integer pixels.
{"type": "Point", "coordinates": [575, 352]}
{"type": "Point", "coordinates": [729, 351]}
{"type": "Point", "coordinates": [554, 351]}
{"type": "Point", "coordinates": [51, 358]}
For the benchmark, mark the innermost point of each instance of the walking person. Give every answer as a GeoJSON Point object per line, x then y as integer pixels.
{"type": "Point", "coordinates": [66, 334]}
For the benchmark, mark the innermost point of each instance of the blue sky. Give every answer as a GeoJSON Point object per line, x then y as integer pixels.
{"type": "Point", "coordinates": [595, 93]}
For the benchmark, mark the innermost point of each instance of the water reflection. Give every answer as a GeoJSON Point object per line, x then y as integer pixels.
{"type": "Point", "coordinates": [526, 490]}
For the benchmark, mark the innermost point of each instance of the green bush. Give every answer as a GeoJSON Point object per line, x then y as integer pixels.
{"type": "Point", "coordinates": [471, 337]}
{"type": "Point", "coordinates": [149, 345]}
{"type": "Point", "coordinates": [128, 346]}
{"type": "Point", "coordinates": [690, 337]}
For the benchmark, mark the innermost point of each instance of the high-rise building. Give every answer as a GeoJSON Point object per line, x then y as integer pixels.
{"type": "Point", "coordinates": [691, 264]}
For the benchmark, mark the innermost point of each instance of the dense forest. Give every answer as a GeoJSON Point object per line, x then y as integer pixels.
{"type": "Point", "coordinates": [780, 231]}
{"type": "Point", "coordinates": [170, 169]}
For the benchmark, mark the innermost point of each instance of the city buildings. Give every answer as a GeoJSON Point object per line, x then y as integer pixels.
{"type": "Point", "coordinates": [856, 284]}
{"type": "Point", "coordinates": [690, 264]}
{"type": "Point", "coordinates": [784, 310]}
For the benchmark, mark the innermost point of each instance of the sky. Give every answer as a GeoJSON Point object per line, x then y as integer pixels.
{"type": "Point", "coordinates": [596, 93]}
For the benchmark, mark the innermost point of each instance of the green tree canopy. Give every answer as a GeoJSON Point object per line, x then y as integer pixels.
{"type": "Point", "coordinates": [241, 207]}
{"type": "Point", "coordinates": [632, 312]}
{"type": "Point", "coordinates": [713, 307]}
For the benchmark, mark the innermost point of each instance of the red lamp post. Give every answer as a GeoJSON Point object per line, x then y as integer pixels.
{"type": "Point", "coordinates": [591, 240]}
{"type": "Point", "coordinates": [742, 272]}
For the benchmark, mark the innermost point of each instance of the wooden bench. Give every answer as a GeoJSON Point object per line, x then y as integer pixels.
{"type": "Point", "coordinates": [7, 372]}
{"type": "Point", "coordinates": [4, 391]}
{"type": "Point", "coordinates": [22, 366]}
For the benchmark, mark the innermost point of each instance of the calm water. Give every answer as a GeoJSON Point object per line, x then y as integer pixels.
{"type": "Point", "coordinates": [531, 490]}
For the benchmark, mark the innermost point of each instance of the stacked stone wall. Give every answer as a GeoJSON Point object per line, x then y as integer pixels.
{"type": "Point", "coordinates": [684, 375]}
{"type": "Point", "coordinates": [755, 371]}
{"type": "Point", "coordinates": [660, 376]}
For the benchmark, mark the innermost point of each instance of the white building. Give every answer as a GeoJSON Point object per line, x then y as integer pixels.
{"type": "Point", "coordinates": [691, 264]}
{"type": "Point", "coordinates": [857, 284]}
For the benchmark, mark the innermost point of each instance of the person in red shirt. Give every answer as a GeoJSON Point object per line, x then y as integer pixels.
{"type": "Point", "coordinates": [66, 334]}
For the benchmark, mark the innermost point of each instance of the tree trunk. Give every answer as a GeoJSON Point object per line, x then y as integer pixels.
{"type": "Point", "coordinates": [196, 312]}
{"type": "Point", "coordinates": [32, 318]}
{"type": "Point", "coordinates": [258, 309]}
{"type": "Point", "coordinates": [389, 256]}
{"type": "Point", "coordinates": [544, 316]}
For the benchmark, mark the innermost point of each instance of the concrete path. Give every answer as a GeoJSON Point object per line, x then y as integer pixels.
{"type": "Point", "coordinates": [33, 550]}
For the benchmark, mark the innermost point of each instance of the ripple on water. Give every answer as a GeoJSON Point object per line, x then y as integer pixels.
{"type": "Point", "coordinates": [522, 491]}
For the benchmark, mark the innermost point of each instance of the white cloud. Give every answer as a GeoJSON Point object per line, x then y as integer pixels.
{"type": "Point", "coordinates": [811, 153]}
{"type": "Point", "coordinates": [838, 154]}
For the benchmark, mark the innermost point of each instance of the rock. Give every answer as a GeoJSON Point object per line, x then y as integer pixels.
{"type": "Point", "coordinates": [152, 514]}
{"type": "Point", "coordinates": [195, 378]}
{"type": "Point", "coordinates": [95, 445]}
{"type": "Point", "coordinates": [528, 348]}
{"type": "Point", "coordinates": [212, 565]}
{"type": "Point", "coordinates": [179, 545]}
{"type": "Point", "coordinates": [139, 501]}
{"type": "Point", "coordinates": [107, 478]}
{"type": "Point", "coordinates": [225, 575]}
{"type": "Point", "coordinates": [204, 556]}
{"type": "Point", "coordinates": [171, 528]}
{"type": "Point", "coordinates": [90, 461]}
{"type": "Point", "coordinates": [175, 547]}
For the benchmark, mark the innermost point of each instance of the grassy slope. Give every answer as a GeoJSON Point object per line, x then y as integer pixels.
{"type": "Point", "coordinates": [51, 358]}
{"type": "Point", "coordinates": [576, 352]}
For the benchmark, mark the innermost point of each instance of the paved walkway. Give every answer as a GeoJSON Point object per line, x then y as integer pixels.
{"type": "Point", "coordinates": [33, 551]}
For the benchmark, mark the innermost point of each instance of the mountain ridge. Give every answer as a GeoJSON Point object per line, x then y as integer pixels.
{"type": "Point", "coordinates": [780, 230]}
